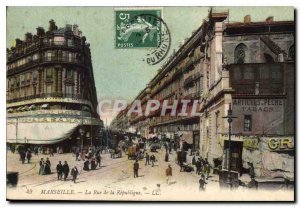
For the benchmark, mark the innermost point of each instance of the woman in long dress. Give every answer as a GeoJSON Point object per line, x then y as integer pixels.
{"type": "Point", "coordinates": [42, 167]}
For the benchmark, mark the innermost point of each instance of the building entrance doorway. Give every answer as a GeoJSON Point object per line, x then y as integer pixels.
{"type": "Point", "coordinates": [236, 155]}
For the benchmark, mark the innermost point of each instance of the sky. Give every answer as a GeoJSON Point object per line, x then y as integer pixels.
{"type": "Point", "coordinates": [122, 73]}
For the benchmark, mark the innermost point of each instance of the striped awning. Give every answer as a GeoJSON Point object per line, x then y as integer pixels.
{"type": "Point", "coordinates": [39, 133]}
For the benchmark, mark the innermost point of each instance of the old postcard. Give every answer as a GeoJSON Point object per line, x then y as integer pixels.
{"type": "Point", "coordinates": [150, 103]}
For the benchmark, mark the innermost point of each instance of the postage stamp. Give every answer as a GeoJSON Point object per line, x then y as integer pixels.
{"type": "Point", "coordinates": [138, 28]}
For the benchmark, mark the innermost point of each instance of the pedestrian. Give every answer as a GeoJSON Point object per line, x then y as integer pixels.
{"type": "Point", "coordinates": [47, 166]}
{"type": "Point", "coordinates": [42, 167]}
{"type": "Point", "coordinates": [51, 152]}
{"type": "Point", "coordinates": [168, 173]}
{"type": "Point", "coordinates": [66, 170]}
{"type": "Point", "coordinates": [113, 153]}
{"type": "Point", "coordinates": [152, 159]}
{"type": "Point", "coordinates": [59, 170]}
{"type": "Point", "coordinates": [90, 153]}
{"type": "Point", "coordinates": [86, 165]}
{"type": "Point", "coordinates": [167, 157]}
{"type": "Point", "coordinates": [93, 164]}
{"type": "Point", "coordinates": [198, 166]}
{"type": "Point", "coordinates": [28, 155]}
{"type": "Point", "coordinates": [206, 168]}
{"type": "Point", "coordinates": [202, 183]}
{"type": "Point", "coordinates": [194, 160]}
{"type": "Point", "coordinates": [98, 159]}
{"type": "Point", "coordinates": [136, 169]}
{"type": "Point", "coordinates": [36, 150]}
{"type": "Point", "coordinates": [22, 156]}
{"type": "Point", "coordinates": [166, 146]}
{"type": "Point", "coordinates": [77, 155]}
{"type": "Point", "coordinates": [74, 173]}
{"type": "Point", "coordinates": [147, 159]}
{"type": "Point", "coordinates": [181, 165]}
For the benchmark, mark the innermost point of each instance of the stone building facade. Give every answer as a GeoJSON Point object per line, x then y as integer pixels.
{"type": "Point", "coordinates": [248, 66]}
{"type": "Point", "coordinates": [51, 88]}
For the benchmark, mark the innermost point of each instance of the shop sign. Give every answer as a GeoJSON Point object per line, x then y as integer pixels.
{"type": "Point", "coordinates": [250, 143]}
{"type": "Point", "coordinates": [278, 144]}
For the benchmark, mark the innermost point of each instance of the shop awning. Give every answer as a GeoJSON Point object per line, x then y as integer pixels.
{"type": "Point", "coordinates": [39, 133]}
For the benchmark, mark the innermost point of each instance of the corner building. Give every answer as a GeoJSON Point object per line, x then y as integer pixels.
{"type": "Point", "coordinates": [51, 94]}
{"type": "Point", "coordinates": [247, 65]}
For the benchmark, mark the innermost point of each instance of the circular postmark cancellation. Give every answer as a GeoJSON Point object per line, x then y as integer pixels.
{"type": "Point", "coordinates": [156, 55]}
{"type": "Point", "coordinates": [143, 29]}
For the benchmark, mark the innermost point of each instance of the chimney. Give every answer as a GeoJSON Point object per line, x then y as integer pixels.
{"type": "Point", "coordinates": [52, 25]}
{"type": "Point", "coordinates": [28, 37]}
{"type": "Point", "coordinates": [270, 19]}
{"type": "Point", "coordinates": [18, 42]}
{"type": "Point", "coordinates": [247, 18]}
{"type": "Point", "coordinates": [68, 27]}
{"type": "Point", "coordinates": [40, 31]}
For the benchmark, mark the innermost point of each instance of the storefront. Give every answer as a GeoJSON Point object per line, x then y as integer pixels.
{"type": "Point", "coordinates": [272, 157]}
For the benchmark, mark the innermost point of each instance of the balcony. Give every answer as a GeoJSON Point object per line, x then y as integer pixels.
{"type": "Point", "coordinates": [46, 95]}
{"type": "Point", "coordinates": [189, 81]}
{"type": "Point", "coordinates": [45, 60]}
{"type": "Point", "coordinates": [257, 79]}
{"type": "Point", "coordinates": [27, 48]}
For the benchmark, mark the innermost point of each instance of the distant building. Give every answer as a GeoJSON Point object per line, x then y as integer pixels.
{"type": "Point", "coordinates": [51, 94]}
{"type": "Point", "coordinates": [248, 65]}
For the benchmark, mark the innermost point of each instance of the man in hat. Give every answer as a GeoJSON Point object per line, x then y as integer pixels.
{"type": "Point", "coordinates": [66, 170]}
{"type": "Point", "coordinates": [136, 169]}
{"type": "Point", "coordinates": [202, 183]}
{"type": "Point", "coordinates": [168, 173]}
{"type": "Point", "coordinates": [74, 173]}
{"type": "Point", "coordinates": [147, 159]}
{"type": "Point", "coordinates": [59, 170]}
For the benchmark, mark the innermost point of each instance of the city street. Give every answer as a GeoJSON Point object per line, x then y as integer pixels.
{"type": "Point", "coordinates": [115, 180]}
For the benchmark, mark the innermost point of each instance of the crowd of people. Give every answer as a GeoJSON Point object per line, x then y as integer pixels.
{"type": "Point", "coordinates": [92, 160]}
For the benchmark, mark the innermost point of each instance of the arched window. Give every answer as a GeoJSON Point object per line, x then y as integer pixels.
{"type": "Point", "coordinates": [240, 53]}
{"type": "Point", "coordinates": [292, 52]}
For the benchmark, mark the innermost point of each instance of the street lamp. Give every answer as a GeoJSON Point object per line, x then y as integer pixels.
{"type": "Point", "coordinates": [81, 132]}
{"type": "Point", "coordinates": [229, 118]}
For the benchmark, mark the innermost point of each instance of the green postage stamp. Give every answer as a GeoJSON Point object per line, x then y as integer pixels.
{"type": "Point", "coordinates": [138, 28]}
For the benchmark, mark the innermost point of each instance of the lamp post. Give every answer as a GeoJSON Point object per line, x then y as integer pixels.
{"type": "Point", "coordinates": [229, 118]}
{"type": "Point", "coordinates": [81, 132]}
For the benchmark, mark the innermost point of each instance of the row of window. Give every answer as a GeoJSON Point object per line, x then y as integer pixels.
{"type": "Point", "coordinates": [240, 53]}
{"type": "Point", "coordinates": [32, 76]}
{"type": "Point", "coordinates": [48, 56]}
{"type": "Point", "coordinates": [263, 72]}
